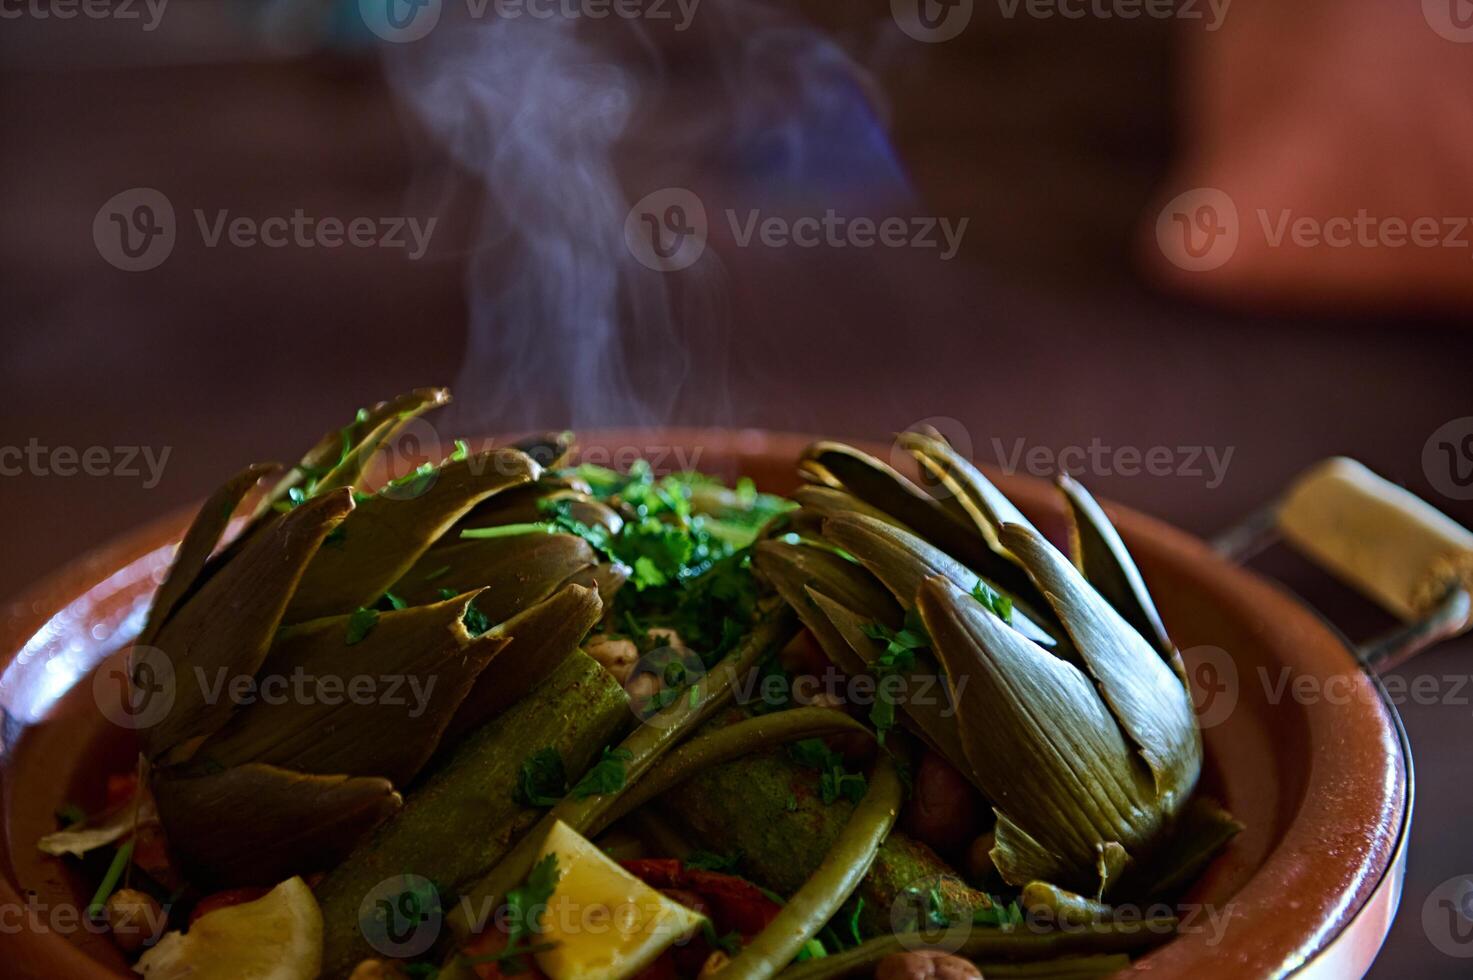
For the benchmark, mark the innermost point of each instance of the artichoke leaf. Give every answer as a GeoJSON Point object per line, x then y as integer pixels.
{"type": "Point", "coordinates": [825, 502]}
{"type": "Point", "coordinates": [549, 449]}
{"type": "Point", "coordinates": [340, 456]}
{"type": "Point", "coordinates": [1102, 557]}
{"type": "Point", "coordinates": [605, 578]}
{"type": "Point", "coordinates": [1040, 743]}
{"type": "Point", "coordinates": [902, 561]}
{"type": "Point", "coordinates": [198, 544]}
{"type": "Point", "coordinates": [537, 640]}
{"type": "Point", "coordinates": [1201, 830]}
{"type": "Point", "coordinates": [882, 487]}
{"type": "Point", "coordinates": [1143, 693]}
{"type": "Point", "coordinates": [795, 568]}
{"type": "Point", "coordinates": [931, 713]}
{"type": "Point", "coordinates": [412, 670]}
{"type": "Point", "coordinates": [387, 534]}
{"type": "Point", "coordinates": [524, 505]}
{"type": "Point", "coordinates": [228, 625]}
{"type": "Point", "coordinates": [517, 571]}
{"type": "Point", "coordinates": [986, 505]}
{"type": "Point", "coordinates": [259, 824]}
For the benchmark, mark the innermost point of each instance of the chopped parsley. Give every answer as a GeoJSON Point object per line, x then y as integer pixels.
{"type": "Point", "coordinates": [898, 659]}
{"type": "Point", "coordinates": [998, 916]}
{"type": "Point", "coordinates": [524, 907]}
{"type": "Point", "coordinates": [994, 600]}
{"type": "Point", "coordinates": [608, 775]}
{"type": "Point", "coordinates": [543, 780]}
{"type": "Point", "coordinates": [360, 624]}
{"type": "Point", "coordinates": [834, 782]}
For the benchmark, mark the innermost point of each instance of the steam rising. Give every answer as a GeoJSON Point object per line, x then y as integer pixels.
{"type": "Point", "coordinates": [567, 328]}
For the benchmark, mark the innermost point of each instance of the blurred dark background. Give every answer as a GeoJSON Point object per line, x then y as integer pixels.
{"type": "Point", "coordinates": [1063, 321]}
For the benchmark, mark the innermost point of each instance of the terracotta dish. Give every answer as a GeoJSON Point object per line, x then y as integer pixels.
{"type": "Point", "coordinates": [1324, 787]}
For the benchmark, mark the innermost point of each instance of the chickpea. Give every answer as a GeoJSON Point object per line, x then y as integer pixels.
{"type": "Point", "coordinates": [979, 858]}
{"type": "Point", "coordinates": [926, 964]}
{"type": "Point", "coordinates": [134, 917]}
{"type": "Point", "coordinates": [666, 637]}
{"type": "Point", "coordinates": [944, 811]}
{"type": "Point", "coordinates": [714, 964]}
{"type": "Point", "coordinates": [615, 654]}
{"type": "Point", "coordinates": [642, 687]}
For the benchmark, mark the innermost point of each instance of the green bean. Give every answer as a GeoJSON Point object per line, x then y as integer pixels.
{"type": "Point", "coordinates": [646, 745]}
{"type": "Point", "coordinates": [830, 886]}
{"type": "Point", "coordinates": [110, 880]}
{"type": "Point", "coordinates": [990, 943]}
{"type": "Point", "coordinates": [726, 744]}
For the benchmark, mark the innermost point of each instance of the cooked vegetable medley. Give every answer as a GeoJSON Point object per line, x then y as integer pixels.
{"type": "Point", "coordinates": [510, 714]}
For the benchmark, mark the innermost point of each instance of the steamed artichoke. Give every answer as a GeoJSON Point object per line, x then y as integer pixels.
{"type": "Point", "coordinates": [1068, 704]}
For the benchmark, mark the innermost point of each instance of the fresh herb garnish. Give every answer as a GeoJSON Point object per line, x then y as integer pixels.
{"type": "Point", "coordinates": [998, 915]}
{"type": "Point", "coordinates": [476, 622]}
{"type": "Point", "coordinates": [393, 601]}
{"type": "Point", "coordinates": [543, 781]}
{"type": "Point", "coordinates": [360, 624]}
{"type": "Point", "coordinates": [994, 600]}
{"type": "Point", "coordinates": [525, 905]}
{"type": "Point", "coordinates": [898, 659]}
{"type": "Point", "coordinates": [834, 781]}
{"type": "Point", "coordinates": [607, 775]}
{"type": "Point", "coordinates": [811, 950]}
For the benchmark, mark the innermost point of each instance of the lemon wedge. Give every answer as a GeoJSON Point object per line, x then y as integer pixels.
{"type": "Point", "coordinates": [604, 923]}
{"type": "Point", "coordinates": [276, 937]}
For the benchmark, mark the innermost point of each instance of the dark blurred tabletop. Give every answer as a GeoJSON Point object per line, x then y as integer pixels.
{"type": "Point", "coordinates": [1038, 335]}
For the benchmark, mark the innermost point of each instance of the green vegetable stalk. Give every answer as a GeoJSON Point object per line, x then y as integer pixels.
{"type": "Point", "coordinates": [466, 816]}
{"type": "Point", "coordinates": [770, 810]}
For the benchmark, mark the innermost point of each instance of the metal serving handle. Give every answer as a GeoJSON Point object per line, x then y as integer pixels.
{"type": "Point", "coordinates": [1393, 547]}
